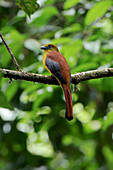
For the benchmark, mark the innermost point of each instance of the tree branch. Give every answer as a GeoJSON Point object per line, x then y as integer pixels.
{"type": "Point", "coordinates": [18, 75]}
{"type": "Point", "coordinates": [76, 78]}
{"type": "Point", "coordinates": [93, 74]}
{"type": "Point", "coordinates": [10, 52]}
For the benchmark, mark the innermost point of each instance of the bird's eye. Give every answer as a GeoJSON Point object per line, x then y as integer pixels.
{"type": "Point", "coordinates": [49, 46]}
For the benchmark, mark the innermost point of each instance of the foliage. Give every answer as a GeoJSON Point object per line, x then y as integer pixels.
{"type": "Point", "coordinates": [33, 130]}
{"type": "Point", "coordinates": [29, 6]}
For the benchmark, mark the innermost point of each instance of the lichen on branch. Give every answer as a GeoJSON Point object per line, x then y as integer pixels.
{"type": "Point", "coordinates": [76, 78]}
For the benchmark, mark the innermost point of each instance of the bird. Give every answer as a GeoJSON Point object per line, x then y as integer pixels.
{"type": "Point", "coordinates": [57, 65]}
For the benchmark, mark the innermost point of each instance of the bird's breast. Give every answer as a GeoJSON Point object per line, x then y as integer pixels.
{"type": "Point", "coordinates": [44, 62]}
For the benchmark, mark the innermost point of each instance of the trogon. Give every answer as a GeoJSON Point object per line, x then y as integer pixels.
{"type": "Point", "coordinates": [57, 65]}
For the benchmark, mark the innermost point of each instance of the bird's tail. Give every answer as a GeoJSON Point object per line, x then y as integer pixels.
{"type": "Point", "coordinates": [68, 99]}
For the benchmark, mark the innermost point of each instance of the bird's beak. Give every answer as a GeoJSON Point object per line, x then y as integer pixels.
{"type": "Point", "coordinates": [44, 48]}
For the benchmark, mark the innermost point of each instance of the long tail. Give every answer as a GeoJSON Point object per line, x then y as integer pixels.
{"type": "Point", "coordinates": [68, 99]}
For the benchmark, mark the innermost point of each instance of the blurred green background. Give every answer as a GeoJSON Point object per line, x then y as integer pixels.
{"type": "Point", "coordinates": [34, 135]}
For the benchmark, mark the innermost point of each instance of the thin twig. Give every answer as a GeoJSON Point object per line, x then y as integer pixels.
{"type": "Point", "coordinates": [76, 78]}
{"type": "Point", "coordinates": [10, 52]}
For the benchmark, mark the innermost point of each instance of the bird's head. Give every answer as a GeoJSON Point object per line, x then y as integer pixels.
{"type": "Point", "coordinates": [49, 47]}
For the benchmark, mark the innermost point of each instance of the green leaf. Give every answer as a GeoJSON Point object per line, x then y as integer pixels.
{"type": "Point", "coordinates": [44, 110]}
{"type": "Point", "coordinates": [71, 50]}
{"type": "Point", "coordinates": [72, 29]}
{"type": "Point", "coordinates": [81, 114]}
{"type": "Point", "coordinates": [42, 94]}
{"type": "Point", "coordinates": [103, 85]}
{"type": "Point", "coordinates": [32, 45]}
{"type": "Point", "coordinates": [29, 6]}
{"type": "Point", "coordinates": [70, 3]}
{"type": "Point", "coordinates": [92, 126]}
{"type": "Point", "coordinates": [88, 148]}
{"type": "Point", "coordinates": [43, 16]}
{"type": "Point", "coordinates": [108, 155]}
{"type": "Point", "coordinates": [15, 42]}
{"type": "Point", "coordinates": [11, 90]}
{"type": "Point", "coordinates": [85, 67]}
{"type": "Point", "coordinates": [97, 11]}
{"type": "Point", "coordinates": [3, 101]}
{"type": "Point", "coordinates": [62, 40]}
{"type": "Point", "coordinates": [107, 121]}
{"type": "Point", "coordinates": [42, 146]}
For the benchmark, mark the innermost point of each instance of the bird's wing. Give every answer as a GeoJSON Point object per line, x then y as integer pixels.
{"type": "Point", "coordinates": [54, 68]}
